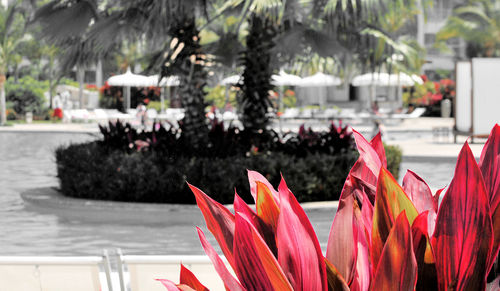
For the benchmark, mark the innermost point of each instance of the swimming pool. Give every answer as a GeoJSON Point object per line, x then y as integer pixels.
{"type": "Point", "coordinates": [27, 161]}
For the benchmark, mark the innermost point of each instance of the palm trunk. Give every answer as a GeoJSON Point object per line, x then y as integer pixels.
{"type": "Point", "coordinates": [80, 75]}
{"type": "Point", "coordinates": [254, 101]}
{"type": "Point", "coordinates": [2, 100]}
{"type": "Point", "coordinates": [98, 74]}
{"type": "Point", "coordinates": [192, 82]}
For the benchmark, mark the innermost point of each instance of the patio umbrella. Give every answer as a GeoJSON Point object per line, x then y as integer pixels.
{"type": "Point", "coordinates": [284, 79]}
{"type": "Point", "coordinates": [385, 79]}
{"type": "Point", "coordinates": [231, 80]}
{"type": "Point", "coordinates": [128, 80]}
{"type": "Point", "coordinates": [170, 81]}
{"type": "Point", "coordinates": [320, 81]}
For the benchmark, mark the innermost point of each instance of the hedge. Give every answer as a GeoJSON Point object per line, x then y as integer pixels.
{"type": "Point", "coordinates": [88, 171]}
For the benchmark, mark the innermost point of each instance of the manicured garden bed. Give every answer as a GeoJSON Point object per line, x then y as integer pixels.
{"type": "Point", "coordinates": [104, 170]}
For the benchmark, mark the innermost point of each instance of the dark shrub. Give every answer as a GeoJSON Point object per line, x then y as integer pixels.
{"type": "Point", "coordinates": [127, 165]}
{"type": "Point", "coordinates": [87, 171]}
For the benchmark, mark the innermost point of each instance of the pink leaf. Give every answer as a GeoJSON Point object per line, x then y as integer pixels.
{"type": "Point", "coordinates": [229, 281]}
{"type": "Point", "coordinates": [367, 215]}
{"type": "Point", "coordinates": [171, 286]}
{"type": "Point", "coordinates": [299, 251]}
{"type": "Point", "coordinates": [378, 146]}
{"type": "Point", "coordinates": [219, 220]}
{"type": "Point", "coordinates": [265, 230]}
{"type": "Point", "coordinates": [256, 266]}
{"type": "Point", "coordinates": [367, 168]}
{"type": "Point", "coordinates": [342, 243]}
{"type": "Point", "coordinates": [463, 237]}
{"type": "Point", "coordinates": [363, 270]}
{"type": "Point", "coordinates": [419, 192]}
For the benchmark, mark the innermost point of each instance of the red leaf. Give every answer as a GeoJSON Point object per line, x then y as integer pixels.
{"type": "Point", "coordinates": [419, 192]}
{"type": "Point", "coordinates": [342, 242]}
{"type": "Point", "coordinates": [254, 177]}
{"type": "Point", "coordinates": [397, 269]}
{"type": "Point", "coordinates": [390, 201]}
{"type": "Point", "coordinates": [463, 237]}
{"type": "Point", "coordinates": [229, 281]}
{"type": "Point", "coordinates": [335, 280]}
{"type": "Point", "coordinates": [378, 146]}
{"type": "Point", "coordinates": [489, 164]}
{"type": "Point", "coordinates": [427, 277]}
{"type": "Point", "coordinates": [265, 230]}
{"type": "Point", "coordinates": [438, 195]}
{"type": "Point", "coordinates": [367, 215]}
{"type": "Point", "coordinates": [256, 266]}
{"type": "Point", "coordinates": [219, 220]}
{"type": "Point", "coordinates": [189, 279]}
{"type": "Point", "coordinates": [299, 250]}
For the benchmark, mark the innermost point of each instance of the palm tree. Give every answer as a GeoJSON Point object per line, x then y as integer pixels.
{"type": "Point", "coordinates": [11, 35]}
{"type": "Point", "coordinates": [169, 27]}
{"type": "Point", "coordinates": [478, 24]}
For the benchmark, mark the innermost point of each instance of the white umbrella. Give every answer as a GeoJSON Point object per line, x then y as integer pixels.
{"type": "Point", "coordinates": [385, 79]}
{"type": "Point", "coordinates": [128, 80]}
{"type": "Point", "coordinates": [170, 81]}
{"type": "Point", "coordinates": [284, 79]}
{"type": "Point", "coordinates": [320, 79]}
{"type": "Point", "coordinates": [231, 80]}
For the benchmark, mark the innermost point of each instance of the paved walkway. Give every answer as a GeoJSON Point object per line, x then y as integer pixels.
{"type": "Point", "coordinates": [52, 127]}
{"type": "Point", "coordinates": [415, 136]}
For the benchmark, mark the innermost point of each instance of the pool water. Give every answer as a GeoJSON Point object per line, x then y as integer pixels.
{"type": "Point", "coordinates": [27, 161]}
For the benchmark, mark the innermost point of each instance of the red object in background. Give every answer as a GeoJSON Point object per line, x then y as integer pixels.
{"type": "Point", "coordinates": [424, 78]}
{"type": "Point", "coordinates": [58, 113]}
{"type": "Point", "coordinates": [146, 101]}
{"type": "Point", "coordinates": [90, 86]}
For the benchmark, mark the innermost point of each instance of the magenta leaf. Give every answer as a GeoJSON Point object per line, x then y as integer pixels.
{"type": "Point", "coordinates": [299, 252]}
{"type": "Point", "coordinates": [419, 192]}
{"type": "Point", "coordinates": [463, 237]}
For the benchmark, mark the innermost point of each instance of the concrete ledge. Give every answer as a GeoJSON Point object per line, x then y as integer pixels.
{"type": "Point", "coordinates": [51, 201]}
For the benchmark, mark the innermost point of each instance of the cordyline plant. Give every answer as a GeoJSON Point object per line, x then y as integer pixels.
{"type": "Point", "coordinates": [383, 237]}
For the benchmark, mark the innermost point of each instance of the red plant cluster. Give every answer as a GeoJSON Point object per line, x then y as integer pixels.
{"type": "Point", "coordinates": [384, 236]}
{"type": "Point", "coordinates": [91, 87]}
{"type": "Point", "coordinates": [57, 113]}
{"type": "Point", "coordinates": [431, 93]}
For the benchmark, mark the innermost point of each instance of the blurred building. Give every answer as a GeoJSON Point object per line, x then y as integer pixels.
{"type": "Point", "coordinates": [438, 62]}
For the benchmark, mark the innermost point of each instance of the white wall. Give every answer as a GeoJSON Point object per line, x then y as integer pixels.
{"type": "Point", "coordinates": [463, 97]}
{"type": "Point", "coordinates": [486, 94]}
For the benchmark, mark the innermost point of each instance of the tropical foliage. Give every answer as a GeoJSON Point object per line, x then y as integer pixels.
{"type": "Point", "coordinates": [383, 237]}
{"type": "Point", "coordinates": [477, 22]}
